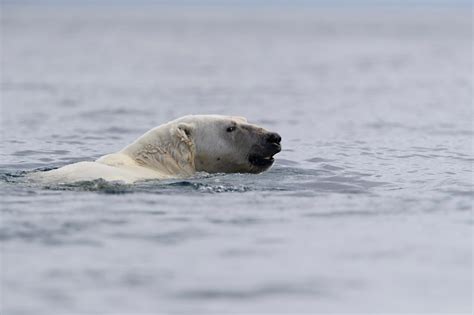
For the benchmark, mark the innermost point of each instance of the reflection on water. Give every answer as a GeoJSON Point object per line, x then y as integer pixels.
{"type": "Point", "coordinates": [367, 209]}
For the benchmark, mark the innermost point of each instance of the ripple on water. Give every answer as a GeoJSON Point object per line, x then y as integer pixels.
{"type": "Point", "coordinates": [317, 160]}
{"type": "Point", "coordinates": [173, 237]}
{"type": "Point", "coordinates": [42, 152]}
{"type": "Point", "coordinates": [307, 288]}
{"type": "Point", "coordinates": [50, 235]}
{"type": "Point", "coordinates": [295, 181]}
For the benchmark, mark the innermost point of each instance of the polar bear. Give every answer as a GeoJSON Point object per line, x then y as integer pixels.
{"type": "Point", "coordinates": [179, 149]}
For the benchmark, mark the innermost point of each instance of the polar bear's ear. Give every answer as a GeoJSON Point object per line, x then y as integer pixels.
{"type": "Point", "coordinates": [185, 130]}
{"type": "Point", "coordinates": [240, 118]}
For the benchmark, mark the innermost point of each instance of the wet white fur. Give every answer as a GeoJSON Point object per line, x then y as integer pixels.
{"type": "Point", "coordinates": [167, 151]}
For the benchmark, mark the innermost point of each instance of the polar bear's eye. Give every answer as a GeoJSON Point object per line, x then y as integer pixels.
{"type": "Point", "coordinates": [230, 129]}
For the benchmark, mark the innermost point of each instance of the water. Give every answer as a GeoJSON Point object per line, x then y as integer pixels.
{"type": "Point", "coordinates": [367, 209]}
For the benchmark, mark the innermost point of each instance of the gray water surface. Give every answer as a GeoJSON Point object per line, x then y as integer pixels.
{"type": "Point", "coordinates": [368, 208]}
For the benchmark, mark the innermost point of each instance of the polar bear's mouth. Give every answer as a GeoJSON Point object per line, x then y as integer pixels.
{"type": "Point", "coordinates": [261, 161]}
{"type": "Point", "coordinates": [261, 155]}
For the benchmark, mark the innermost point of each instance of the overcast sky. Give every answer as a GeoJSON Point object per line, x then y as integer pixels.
{"type": "Point", "coordinates": [247, 2]}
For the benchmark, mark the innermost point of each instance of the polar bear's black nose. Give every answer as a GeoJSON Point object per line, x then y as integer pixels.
{"type": "Point", "coordinates": [273, 137]}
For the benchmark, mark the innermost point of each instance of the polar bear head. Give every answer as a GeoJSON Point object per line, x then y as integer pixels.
{"type": "Point", "coordinates": [228, 144]}
{"type": "Point", "coordinates": [206, 143]}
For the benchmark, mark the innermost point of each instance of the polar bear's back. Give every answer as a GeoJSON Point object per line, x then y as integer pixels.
{"type": "Point", "coordinates": [116, 167]}
{"type": "Point", "coordinates": [85, 171]}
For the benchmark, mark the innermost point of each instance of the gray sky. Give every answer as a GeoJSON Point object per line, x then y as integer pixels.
{"type": "Point", "coordinates": [246, 2]}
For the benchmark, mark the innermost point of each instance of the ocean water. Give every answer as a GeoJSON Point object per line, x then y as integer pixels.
{"type": "Point", "coordinates": [368, 208]}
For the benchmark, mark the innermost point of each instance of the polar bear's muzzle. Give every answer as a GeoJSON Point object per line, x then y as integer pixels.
{"type": "Point", "coordinates": [261, 155]}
